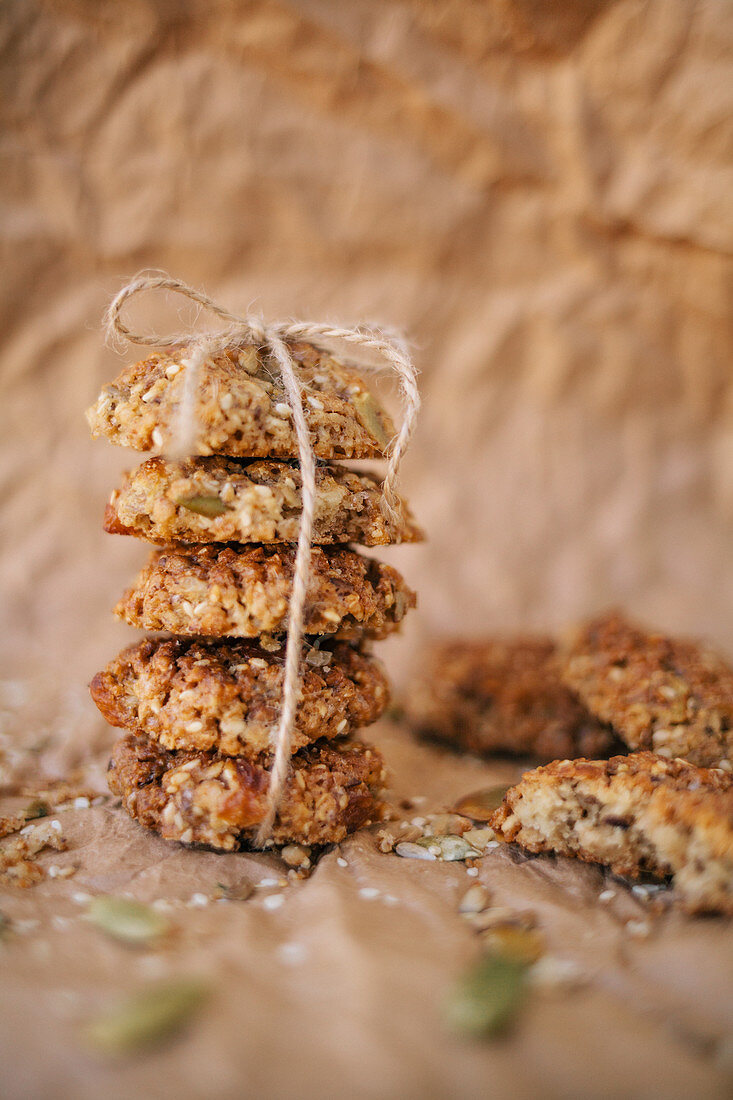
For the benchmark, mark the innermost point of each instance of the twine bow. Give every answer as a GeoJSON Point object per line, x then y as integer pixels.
{"type": "Point", "coordinates": [274, 340]}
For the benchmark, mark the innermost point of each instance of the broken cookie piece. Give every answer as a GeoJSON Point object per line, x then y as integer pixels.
{"type": "Point", "coordinates": [636, 814]}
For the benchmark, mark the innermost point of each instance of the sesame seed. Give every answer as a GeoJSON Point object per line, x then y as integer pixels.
{"type": "Point", "coordinates": [81, 803]}
{"type": "Point", "coordinates": [157, 437]}
{"type": "Point", "coordinates": [269, 882]}
{"type": "Point", "coordinates": [607, 895]}
{"type": "Point", "coordinates": [292, 953]}
{"type": "Point", "coordinates": [472, 872]}
{"type": "Point", "coordinates": [273, 901]}
{"type": "Point", "coordinates": [198, 901]}
{"type": "Point", "coordinates": [80, 897]}
{"type": "Point", "coordinates": [369, 892]}
{"type": "Point", "coordinates": [342, 862]}
{"type": "Point", "coordinates": [282, 409]}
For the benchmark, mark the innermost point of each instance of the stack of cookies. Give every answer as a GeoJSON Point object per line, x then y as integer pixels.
{"type": "Point", "coordinates": [200, 701]}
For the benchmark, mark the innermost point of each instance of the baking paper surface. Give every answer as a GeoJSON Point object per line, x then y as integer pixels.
{"type": "Point", "coordinates": [539, 197]}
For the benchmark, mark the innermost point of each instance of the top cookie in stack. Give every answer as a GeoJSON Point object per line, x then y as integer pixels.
{"type": "Point", "coordinates": [199, 707]}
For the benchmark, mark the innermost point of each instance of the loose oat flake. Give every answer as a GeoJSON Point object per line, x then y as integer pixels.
{"type": "Point", "coordinates": [487, 998]}
{"type": "Point", "coordinates": [127, 920]}
{"type": "Point", "coordinates": [480, 805]}
{"type": "Point", "coordinates": [148, 1017]}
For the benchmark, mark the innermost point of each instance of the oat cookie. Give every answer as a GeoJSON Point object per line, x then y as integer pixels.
{"type": "Point", "coordinates": [233, 500]}
{"type": "Point", "coordinates": [244, 592]}
{"type": "Point", "coordinates": [672, 696]}
{"type": "Point", "coordinates": [503, 696]}
{"type": "Point", "coordinates": [206, 798]}
{"type": "Point", "coordinates": [226, 696]}
{"type": "Point", "coordinates": [635, 814]}
{"type": "Point", "coordinates": [241, 407]}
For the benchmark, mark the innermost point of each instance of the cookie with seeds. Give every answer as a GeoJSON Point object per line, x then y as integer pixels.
{"type": "Point", "coordinates": [241, 408]}
{"type": "Point", "coordinates": [226, 696]}
{"type": "Point", "coordinates": [668, 695]}
{"type": "Point", "coordinates": [497, 695]}
{"type": "Point", "coordinates": [636, 814]}
{"type": "Point", "coordinates": [244, 592]}
{"type": "Point", "coordinates": [221, 499]}
{"type": "Point", "coordinates": [220, 801]}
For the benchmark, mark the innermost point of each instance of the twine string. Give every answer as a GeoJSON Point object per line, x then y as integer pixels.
{"type": "Point", "coordinates": [274, 340]}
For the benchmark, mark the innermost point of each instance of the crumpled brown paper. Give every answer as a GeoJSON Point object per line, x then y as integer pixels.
{"type": "Point", "coordinates": [538, 195]}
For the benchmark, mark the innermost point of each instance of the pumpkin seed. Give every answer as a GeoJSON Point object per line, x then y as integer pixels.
{"type": "Point", "coordinates": [487, 997]}
{"type": "Point", "coordinates": [202, 505]}
{"type": "Point", "coordinates": [480, 805]}
{"type": "Point", "coordinates": [448, 848]}
{"type": "Point", "coordinates": [370, 416]}
{"type": "Point", "coordinates": [147, 1017]}
{"type": "Point", "coordinates": [126, 920]}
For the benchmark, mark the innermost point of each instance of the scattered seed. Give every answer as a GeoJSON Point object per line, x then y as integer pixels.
{"type": "Point", "coordinates": [198, 901]}
{"type": "Point", "coordinates": [369, 893]}
{"type": "Point", "coordinates": [273, 901]}
{"type": "Point", "coordinates": [480, 805]}
{"type": "Point", "coordinates": [475, 899]}
{"type": "Point", "coordinates": [499, 915]}
{"type": "Point", "coordinates": [551, 972]}
{"type": "Point", "coordinates": [239, 891]}
{"type": "Point", "coordinates": [487, 998]}
{"type": "Point", "coordinates": [527, 945]}
{"type": "Point", "coordinates": [292, 953]}
{"type": "Point", "coordinates": [408, 850]}
{"type": "Point", "coordinates": [146, 1018]}
{"type": "Point", "coordinates": [37, 808]}
{"type": "Point", "coordinates": [448, 848]}
{"type": "Point", "coordinates": [202, 505]}
{"type": "Point", "coordinates": [480, 838]}
{"type": "Point", "coordinates": [295, 855]}
{"type": "Point", "coordinates": [126, 920]}
{"type": "Point", "coordinates": [639, 929]}
{"type": "Point", "coordinates": [607, 895]}
{"type": "Point", "coordinates": [342, 862]}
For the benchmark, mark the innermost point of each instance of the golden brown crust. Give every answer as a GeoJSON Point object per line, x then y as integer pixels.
{"type": "Point", "coordinates": [637, 814]}
{"type": "Point", "coordinates": [226, 696]}
{"type": "Point", "coordinates": [503, 696]}
{"type": "Point", "coordinates": [668, 695]}
{"type": "Point", "coordinates": [245, 592]}
{"type": "Point", "coordinates": [241, 407]}
{"type": "Point", "coordinates": [233, 500]}
{"type": "Point", "coordinates": [219, 801]}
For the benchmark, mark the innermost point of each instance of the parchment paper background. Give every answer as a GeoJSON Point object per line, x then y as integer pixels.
{"type": "Point", "coordinates": [539, 195]}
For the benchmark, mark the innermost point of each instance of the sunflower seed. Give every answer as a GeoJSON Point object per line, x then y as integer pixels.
{"type": "Point", "coordinates": [408, 850]}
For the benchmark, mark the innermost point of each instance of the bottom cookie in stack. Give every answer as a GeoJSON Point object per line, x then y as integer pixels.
{"type": "Point", "coordinates": [220, 801]}
{"type": "Point", "coordinates": [199, 714]}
